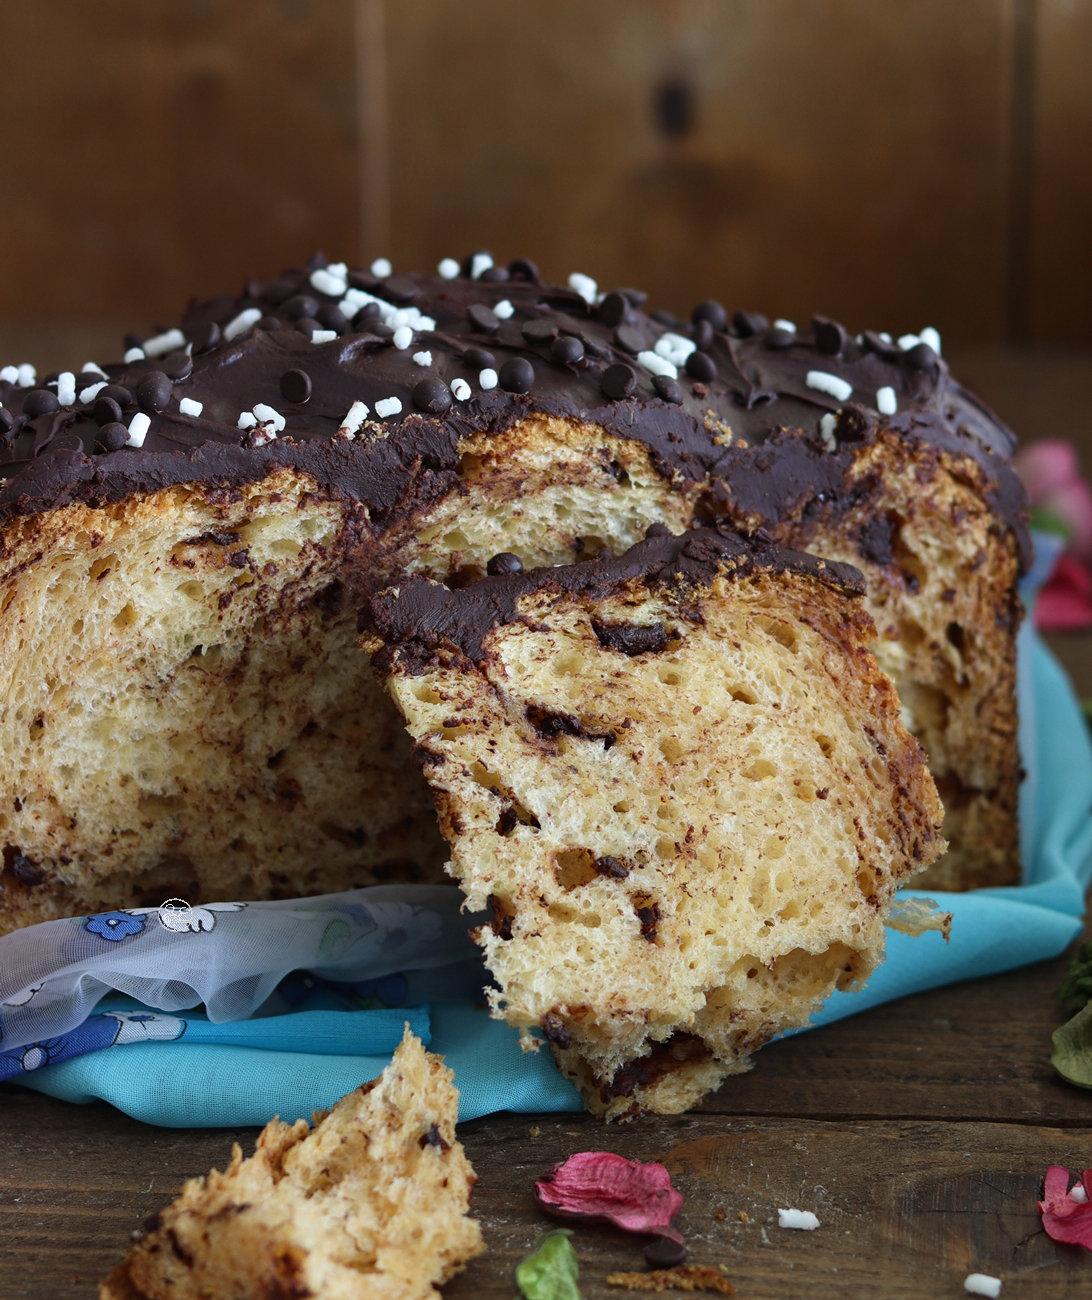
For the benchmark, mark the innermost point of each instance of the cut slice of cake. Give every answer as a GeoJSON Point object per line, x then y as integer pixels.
{"type": "Point", "coordinates": [682, 783]}
{"type": "Point", "coordinates": [372, 1201]}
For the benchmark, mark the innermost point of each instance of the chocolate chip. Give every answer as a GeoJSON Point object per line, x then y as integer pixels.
{"type": "Point", "coordinates": [252, 290]}
{"type": "Point", "coordinates": [296, 386]}
{"type": "Point", "coordinates": [920, 357]}
{"type": "Point", "coordinates": [539, 331]}
{"type": "Point", "coordinates": [778, 339]}
{"type": "Point", "coordinates": [567, 351]}
{"type": "Point", "coordinates": [113, 437]}
{"type": "Point", "coordinates": [668, 389]}
{"type": "Point", "coordinates": [505, 562]}
{"type": "Point", "coordinates": [318, 262]}
{"type": "Point", "coordinates": [367, 316]}
{"type": "Point", "coordinates": [398, 288]}
{"type": "Point", "coordinates": [7, 420]}
{"type": "Point", "coordinates": [702, 334]}
{"type": "Point", "coordinates": [153, 391]}
{"type": "Point", "coordinates": [494, 275]}
{"type": "Point", "coordinates": [711, 311]}
{"type": "Point", "coordinates": [614, 309]}
{"type": "Point", "coordinates": [432, 396]}
{"type": "Point", "coordinates": [629, 339]}
{"type": "Point", "coordinates": [517, 375]}
{"type": "Point", "coordinates": [667, 318]}
{"type": "Point", "coordinates": [380, 331]}
{"type": "Point", "coordinates": [364, 280]}
{"type": "Point", "coordinates": [700, 365]}
{"type": "Point", "coordinates": [177, 366]}
{"type": "Point", "coordinates": [830, 337]}
{"type": "Point", "coordinates": [279, 291]}
{"type": "Point", "coordinates": [522, 268]}
{"type": "Point", "coordinates": [299, 306]}
{"type": "Point", "coordinates": [873, 343]}
{"type": "Point", "coordinates": [593, 347]}
{"type": "Point", "coordinates": [482, 317]}
{"type": "Point", "coordinates": [267, 324]}
{"type": "Point", "coordinates": [664, 1253]}
{"type": "Point", "coordinates": [39, 401]}
{"type": "Point", "coordinates": [133, 341]}
{"type": "Point", "coordinates": [468, 261]}
{"type": "Point", "coordinates": [116, 393]}
{"type": "Point", "coordinates": [480, 359]}
{"type": "Point", "coordinates": [635, 297]}
{"type": "Point", "coordinates": [205, 337]}
{"type": "Point", "coordinates": [658, 530]}
{"type": "Point", "coordinates": [332, 317]}
{"type": "Point", "coordinates": [746, 323]}
{"type": "Point", "coordinates": [308, 325]}
{"type": "Point", "coordinates": [618, 381]}
{"type": "Point", "coordinates": [105, 411]}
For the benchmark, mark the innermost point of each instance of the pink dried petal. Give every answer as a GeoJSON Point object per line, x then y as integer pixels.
{"type": "Point", "coordinates": [600, 1187]}
{"type": "Point", "coordinates": [1072, 504]}
{"type": "Point", "coordinates": [1065, 603]}
{"type": "Point", "coordinates": [1045, 466]}
{"type": "Point", "coordinates": [1064, 1218]}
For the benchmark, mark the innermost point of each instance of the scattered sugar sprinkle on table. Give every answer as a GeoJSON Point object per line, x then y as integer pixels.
{"type": "Point", "coordinates": [802, 1219]}
{"type": "Point", "coordinates": [982, 1284]}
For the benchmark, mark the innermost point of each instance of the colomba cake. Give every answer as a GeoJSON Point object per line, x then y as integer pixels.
{"type": "Point", "coordinates": [188, 536]}
{"type": "Point", "coordinates": [681, 782]}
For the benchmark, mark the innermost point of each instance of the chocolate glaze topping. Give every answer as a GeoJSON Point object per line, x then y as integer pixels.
{"type": "Point", "coordinates": [421, 616]}
{"type": "Point", "coordinates": [548, 350]}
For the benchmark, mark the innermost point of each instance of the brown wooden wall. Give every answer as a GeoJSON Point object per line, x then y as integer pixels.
{"type": "Point", "coordinates": [894, 163]}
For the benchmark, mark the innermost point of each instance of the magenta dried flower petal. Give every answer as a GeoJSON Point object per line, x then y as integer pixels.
{"type": "Point", "coordinates": [1064, 1217]}
{"type": "Point", "coordinates": [600, 1187]}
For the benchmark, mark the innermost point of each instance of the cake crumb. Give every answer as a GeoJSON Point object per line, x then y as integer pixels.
{"type": "Point", "coordinates": [720, 1215]}
{"type": "Point", "coordinates": [533, 1131]}
{"type": "Point", "coordinates": [688, 1277]}
{"type": "Point", "coordinates": [744, 1217]}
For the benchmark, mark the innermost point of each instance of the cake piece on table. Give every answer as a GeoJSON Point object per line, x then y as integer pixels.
{"type": "Point", "coordinates": [680, 780]}
{"type": "Point", "coordinates": [372, 1201]}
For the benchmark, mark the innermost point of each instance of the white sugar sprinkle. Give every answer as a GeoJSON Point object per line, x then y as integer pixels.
{"type": "Point", "coordinates": [354, 419]}
{"type": "Point", "coordinates": [448, 269]}
{"type": "Point", "coordinates": [10, 374]}
{"type": "Point", "coordinates": [138, 429]}
{"type": "Point", "coordinates": [403, 337]}
{"type": "Point", "coordinates": [422, 358]}
{"type": "Point", "coordinates": [161, 344]}
{"type": "Point", "coordinates": [134, 354]}
{"type": "Point", "coordinates": [241, 323]}
{"type": "Point", "coordinates": [826, 431]}
{"type": "Point", "coordinates": [824, 382]}
{"type": "Point", "coordinates": [189, 407]}
{"type": "Point", "coordinates": [92, 391]}
{"type": "Point", "coordinates": [930, 336]}
{"type": "Point", "coordinates": [908, 341]}
{"type": "Point", "coordinates": [982, 1284]}
{"type": "Point", "coordinates": [883, 334]}
{"type": "Point", "coordinates": [675, 348]}
{"type": "Point", "coordinates": [324, 336]}
{"type": "Point", "coordinates": [89, 368]}
{"type": "Point", "coordinates": [481, 263]}
{"type": "Point", "coordinates": [247, 420]}
{"type": "Point", "coordinates": [659, 365]}
{"type": "Point", "coordinates": [269, 415]}
{"type": "Point", "coordinates": [28, 376]}
{"type": "Point", "coordinates": [66, 388]}
{"type": "Point", "coordinates": [584, 285]}
{"type": "Point", "coordinates": [487, 378]}
{"type": "Point", "coordinates": [803, 1219]}
{"type": "Point", "coordinates": [787, 325]}
{"type": "Point", "coordinates": [329, 282]}
{"type": "Point", "coordinates": [381, 267]}
{"type": "Point", "coordinates": [503, 309]}
{"type": "Point", "coordinates": [388, 406]}
{"type": "Point", "coordinates": [886, 401]}
{"type": "Point", "coordinates": [390, 315]}
{"type": "Point", "coordinates": [460, 389]}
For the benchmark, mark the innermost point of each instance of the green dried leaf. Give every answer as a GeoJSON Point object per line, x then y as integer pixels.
{"type": "Point", "coordinates": [549, 1272]}
{"type": "Point", "coordinates": [1075, 990]}
{"type": "Point", "coordinates": [1072, 1055]}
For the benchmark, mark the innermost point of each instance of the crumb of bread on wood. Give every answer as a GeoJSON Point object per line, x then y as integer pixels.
{"type": "Point", "coordinates": [687, 1277]}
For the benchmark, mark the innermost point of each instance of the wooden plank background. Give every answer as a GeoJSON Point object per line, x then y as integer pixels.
{"type": "Point", "coordinates": [891, 164]}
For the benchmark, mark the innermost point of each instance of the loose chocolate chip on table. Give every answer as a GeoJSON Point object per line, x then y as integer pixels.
{"type": "Point", "coordinates": [302, 304]}
{"type": "Point", "coordinates": [432, 396]}
{"type": "Point", "coordinates": [480, 359]}
{"type": "Point", "coordinates": [113, 437]}
{"type": "Point", "coordinates": [778, 339]}
{"type": "Point", "coordinates": [830, 337]}
{"type": "Point", "coordinates": [482, 317]}
{"type": "Point", "coordinates": [494, 275]}
{"type": "Point", "coordinates": [539, 331]}
{"type": "Point", "coordinates": [613, 309]}
{"type": "Point", "coordinates": [702, 334]}
{"type": "Point", "coordinates": [618, 381]}
{"type": "Point", "coordinates": [505, 562]}
{"type": "Point", "coordinates": [517, 375]}
{"type": "Point", "coordinates": [267, 324]}
{"type": "Point", "coordinates": [153, 391]}
{"type": "Point", "coordinates": [746, 323]}
{"type": "Point", "coordinates": [522, 268]}
{"type": "Point", "coordinates": [629, 339]}
{"type": "Point", "coordinates": [668, 389]}
{"type": "Point", "coordinates": [664, 1253]}
{"type": "Point", "coordinates": [920, 357]}
{"type": "Point", "coordinates": [116, 393]}
{"type": "Point", "coordinates": [700, 365]}
{"type": "Point", "coordinates": [205, 337]}
{"type": "Point", "coordinates": [296, 386]}
{"type": "Point", "coordinates": [105, 411]}
{"type": "Point", "coordinates": [39, 401]}
{"type": "Point", "coordinates": [566, 350]}
{"type": "Point", "coordinates": [711, 311]}
{"type": "Point", "coordinates": [307, 325]}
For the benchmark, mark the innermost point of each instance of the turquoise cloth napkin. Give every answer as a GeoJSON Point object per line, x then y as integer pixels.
{"type": "Point", "coordinates": [180, 1083]}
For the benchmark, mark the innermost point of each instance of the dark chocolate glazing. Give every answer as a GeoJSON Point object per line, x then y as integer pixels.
{"type": "Point", "coordinates": [419, 616]}
{"type": "Point", "coordinates": [752, 379]}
